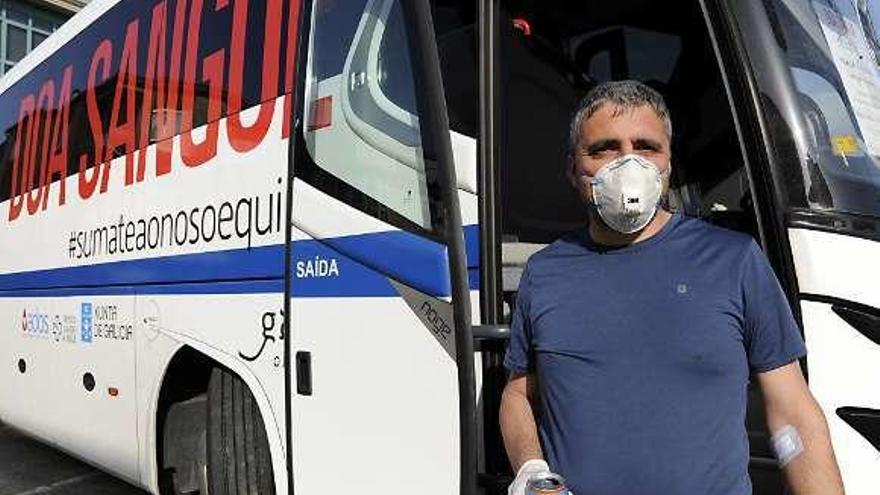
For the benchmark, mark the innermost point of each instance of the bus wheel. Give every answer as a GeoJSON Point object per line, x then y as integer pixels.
{"type": "Point", "coordinates": [239, 462]}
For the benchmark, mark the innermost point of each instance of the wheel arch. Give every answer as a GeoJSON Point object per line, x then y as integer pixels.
{"type": "Point", "coordinates": [186, 375]}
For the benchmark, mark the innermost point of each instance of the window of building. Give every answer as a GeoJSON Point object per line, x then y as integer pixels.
{"type": "Point", "coordinates": [22, 28]}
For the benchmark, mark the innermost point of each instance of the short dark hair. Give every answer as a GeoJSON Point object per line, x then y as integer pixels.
{"type": "Point", "coordinates": [625, 95]}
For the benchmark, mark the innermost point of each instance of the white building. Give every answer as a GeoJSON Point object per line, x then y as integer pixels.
{"type": "Point", "coordinates": [24, 24]}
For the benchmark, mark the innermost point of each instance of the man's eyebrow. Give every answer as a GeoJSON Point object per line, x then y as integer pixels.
{"type": "Point", "coordinates": [602, 144]}
{"type": "Point", "coordinates": [647, 143]}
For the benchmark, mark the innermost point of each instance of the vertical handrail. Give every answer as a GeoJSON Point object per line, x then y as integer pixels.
{"type": "Point", "coordinates": [438, 148]}
{"type": "Point", "coordinates": [488, 153]}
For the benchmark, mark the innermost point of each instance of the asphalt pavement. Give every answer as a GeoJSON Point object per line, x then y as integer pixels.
{"type": "Point", "coordinates": [28, 467]}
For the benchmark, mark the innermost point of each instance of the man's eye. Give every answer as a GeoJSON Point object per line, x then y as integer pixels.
{"type": "Point", "coordinates": [601, 152]}
{"type": "Point", "coordinates": [647, 147]}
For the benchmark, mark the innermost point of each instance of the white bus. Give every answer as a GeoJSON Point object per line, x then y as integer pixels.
{"type": "Point", "coordinates": [271, 246]}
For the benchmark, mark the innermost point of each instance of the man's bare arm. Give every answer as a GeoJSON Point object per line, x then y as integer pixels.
{"type": "Point", "coordinates": [518, 426]}
{"type": "Point", "coordinates": [788, 401]}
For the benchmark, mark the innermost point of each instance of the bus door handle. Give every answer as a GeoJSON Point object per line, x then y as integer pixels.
{"type": "Point", "coordinates": [863, 420]}
{"type": "Point", "coordinates": [865, 319]}
{"type": "Point", "coordinates": [304, 373]}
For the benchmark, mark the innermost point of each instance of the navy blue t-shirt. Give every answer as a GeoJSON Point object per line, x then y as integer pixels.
{"type": "Point", "coordinates": [643, 353]}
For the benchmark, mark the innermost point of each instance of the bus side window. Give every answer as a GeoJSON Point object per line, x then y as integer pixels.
{"type": "Point", "coordinates": [362, 128]}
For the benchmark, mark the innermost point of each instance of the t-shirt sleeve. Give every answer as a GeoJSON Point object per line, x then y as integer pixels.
{"type": "Point", "coordinates": [772, 336]}
{"type": "Point", "coordinates": [520, 357]}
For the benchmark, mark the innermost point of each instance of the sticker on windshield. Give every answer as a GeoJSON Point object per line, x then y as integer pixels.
{"type": "Point", "coordinates": [845, 145]}
{"type": "Point", "coordinates": [854, 61]}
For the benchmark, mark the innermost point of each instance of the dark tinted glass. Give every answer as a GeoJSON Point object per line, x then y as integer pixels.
{"type": "Point", "coordinates": [29, 12]}
{"type": "Point", "coordinates": [456, 32]}
{"type": "Point", "coordinates": [16, 12]}
{"type": "Point", "coordinates": [16, 43]}
{"type": "Point", "coordinates": [36, 39]}
{"type": "Point", "coordinates": [395, 67]}
{"type": "Point", "coordinates": [553, 52]}
{"type": "Point", "coordinates": [335, 27]}
{"type": "Point", "coordinates": [41, 22]}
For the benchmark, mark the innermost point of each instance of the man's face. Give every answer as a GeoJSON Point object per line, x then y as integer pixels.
{"type": "Point", "coordinates": [611, 133]}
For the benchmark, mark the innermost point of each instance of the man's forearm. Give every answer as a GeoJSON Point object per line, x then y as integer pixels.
{"type": "Point", "coordinates": [814, 471]}
{"type": "Point", "coordinates": [519, 429]}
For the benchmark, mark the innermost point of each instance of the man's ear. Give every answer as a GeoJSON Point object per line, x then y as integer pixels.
{"type": "Point", "coordinates": [668, 174]}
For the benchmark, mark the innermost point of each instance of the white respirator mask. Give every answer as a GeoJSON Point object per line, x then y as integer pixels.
{"type": "Point", "coordinates": [626, 193]}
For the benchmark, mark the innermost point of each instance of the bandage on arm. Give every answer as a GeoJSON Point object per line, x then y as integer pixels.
{"type": "Point", "coordinates": [787, 444]}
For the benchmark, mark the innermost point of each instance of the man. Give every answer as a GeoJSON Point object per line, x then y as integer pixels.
{"type": "Point", "coordinates": [633, 342]}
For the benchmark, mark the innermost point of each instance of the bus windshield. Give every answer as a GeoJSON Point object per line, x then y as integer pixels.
{"type": "Point", "coordinates": [832, 49]}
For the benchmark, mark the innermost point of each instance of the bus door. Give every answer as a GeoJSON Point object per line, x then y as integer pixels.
{"type": "Point", "coordinates": [379, 291]}
{"type": "Point", "coordinates": [817, 66]}
{"type": "Point", "coordinates": [538, 58]}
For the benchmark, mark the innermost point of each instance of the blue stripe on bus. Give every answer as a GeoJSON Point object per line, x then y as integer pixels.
{"type": "Point", "coordinates": [472, 245]}
{"type": "Point", "coordinates": [347, 277]}
{"type": "Point", "coordinates": [420, 263]}
{"type": "Point", "coordinates": [235, 264]}
{"type": "Point", "coordinates": [472, 250]}
{"type": "Point", "coordinates": [360, 260]}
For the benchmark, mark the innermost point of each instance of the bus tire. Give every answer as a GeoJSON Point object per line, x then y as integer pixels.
{"type": "Point", "coordinates": [184, 458]}
{"type": "Point", "coordinates": [239, 462]}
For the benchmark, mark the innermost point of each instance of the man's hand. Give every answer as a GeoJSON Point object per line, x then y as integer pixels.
{"type": "Point", "coordinates": [788, 402]}
{"type": "Point", "coordinates": [526, 471]}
